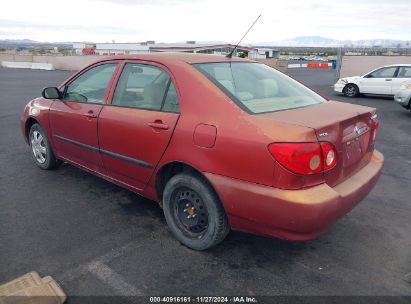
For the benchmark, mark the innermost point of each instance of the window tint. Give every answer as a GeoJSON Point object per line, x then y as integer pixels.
{"type": "Point", "coordinates": [258, 87]}
{"type": "Point", "coordinates": [384, 73]}
{"type": "Point", "coordinates": [171, 101]}
{"type": "Point", "coordinates": [141, 86]}
{"type": "Point", "coordinates": [404, 72]}
{"type": "Point", "coordinates": [91, 85]}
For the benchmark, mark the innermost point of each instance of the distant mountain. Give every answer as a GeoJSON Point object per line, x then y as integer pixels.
{"type": "Point", "coordinates": [15, 43]}
{"type": "Point", "coordinates": [318, 41]}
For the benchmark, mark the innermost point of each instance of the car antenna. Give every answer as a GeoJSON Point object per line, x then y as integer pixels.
{"type": "Point", "coordinates": [232, 52]}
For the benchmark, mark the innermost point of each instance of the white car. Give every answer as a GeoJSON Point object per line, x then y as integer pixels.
{"type": "Point", "coordinates": [386, 80]}
{"type": "Point", "coordinates": [403, 96]}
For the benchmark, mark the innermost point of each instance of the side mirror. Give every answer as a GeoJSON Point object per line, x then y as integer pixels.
{"type": "Point", "coordinates": [51, 93]}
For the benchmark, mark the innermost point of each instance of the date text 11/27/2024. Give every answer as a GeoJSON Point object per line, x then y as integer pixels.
{"type": "Point", "coordinates": [186, 299]}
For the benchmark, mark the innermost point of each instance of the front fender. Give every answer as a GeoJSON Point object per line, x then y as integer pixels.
{"type": "Point", "coordinates": [36, 111]}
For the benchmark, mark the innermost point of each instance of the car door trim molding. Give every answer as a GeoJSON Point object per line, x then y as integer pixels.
{"type": "Point", "coordinates": [128, 159]}
{"type": "Point", "coordinates": [137, 162]}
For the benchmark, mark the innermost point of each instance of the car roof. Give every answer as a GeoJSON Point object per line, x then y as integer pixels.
{"type": "Point", "coordinates": [168, 57]}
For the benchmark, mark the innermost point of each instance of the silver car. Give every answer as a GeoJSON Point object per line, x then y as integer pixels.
{"type": "Point", "coordinates": [403, 96]}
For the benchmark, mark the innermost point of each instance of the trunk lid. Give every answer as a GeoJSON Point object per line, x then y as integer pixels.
{"type": "Point", "coordinates": [348, 127]}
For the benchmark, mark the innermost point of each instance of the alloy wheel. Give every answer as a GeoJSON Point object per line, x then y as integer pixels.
{"type": "Point", "coordinates": [38, 146]}
{"type": "Point", "coordinates": [351, 91]}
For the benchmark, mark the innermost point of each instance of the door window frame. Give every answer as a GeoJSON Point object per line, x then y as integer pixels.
{"type": "Point", "coordinates": [63, 87]}
{"type": "Point", "coordinates": [148, 63]}
{"type": "Point", "coordinates": [398, 71]}
{"type": "Point", "coordinates": [383, 68]}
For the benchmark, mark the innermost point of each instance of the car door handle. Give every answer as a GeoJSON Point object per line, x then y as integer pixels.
{"type": "Point", "coordinates": [388, 79]}
{"type": "Point", "coordinates": [158, 124]}
{"type": "Point", "coordinates": [90, 114]}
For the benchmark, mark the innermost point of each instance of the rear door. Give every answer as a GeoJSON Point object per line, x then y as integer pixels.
{"type": "Point", "coordinates": [379, 81]}
{"type": "Point", "coordinates": [73, 119]}
{"type": "Point", "coordinates": [135, 129]}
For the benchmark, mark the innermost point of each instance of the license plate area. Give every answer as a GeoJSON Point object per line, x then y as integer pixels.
{"type": "Point", "coordinates": [355, 149]}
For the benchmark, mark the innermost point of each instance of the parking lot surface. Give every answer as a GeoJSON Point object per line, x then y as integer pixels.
{"type": "Point", "coordinates": [96, 238]}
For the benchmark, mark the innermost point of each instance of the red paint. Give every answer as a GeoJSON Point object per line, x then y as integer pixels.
{"type": "Point", "coordinates": [316, 65]}
{"type": "Point", "coordinates": [229, 146]}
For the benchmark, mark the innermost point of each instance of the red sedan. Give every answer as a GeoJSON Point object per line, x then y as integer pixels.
{"type": "Point", "coordinates": [220, 143]}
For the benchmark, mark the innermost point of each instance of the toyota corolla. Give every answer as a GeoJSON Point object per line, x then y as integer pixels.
{"type": "Point", "coordinates": [220, 143]}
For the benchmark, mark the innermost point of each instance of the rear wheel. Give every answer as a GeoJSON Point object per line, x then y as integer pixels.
{"type": "Point", "coordinates": [351, 90]}
{"type": "Point", "coordinates": [41, 149]}
{"type": "Point", "coordinates": [193, 212]}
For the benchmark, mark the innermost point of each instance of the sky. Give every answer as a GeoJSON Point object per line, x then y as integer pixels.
{"type": "Point", "coordinates": [203, 20]}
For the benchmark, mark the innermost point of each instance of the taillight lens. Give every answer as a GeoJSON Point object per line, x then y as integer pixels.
{"type": "Point", "coordinates": [329, 155]}
{"type": "Point", "coordinates": [376, 126]}
{"type": "Point", "coordinates": [305, 158]}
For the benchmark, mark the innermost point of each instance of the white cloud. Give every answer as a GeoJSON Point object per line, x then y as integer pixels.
{"type": "Point", "coordinates": [180, 20]}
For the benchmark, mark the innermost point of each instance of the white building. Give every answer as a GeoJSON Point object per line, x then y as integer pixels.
{"type": "Point", "coordinates": [264, 53]}
{"type": "Point", "coordinates": [121, 48]}
{"type": "Point", "coordinates": [80, 46]}
{"type": "Point", "coordinates": [87, 48]}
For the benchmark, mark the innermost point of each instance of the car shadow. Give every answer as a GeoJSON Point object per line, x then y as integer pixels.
{"type": "Point", "coordinates": [237, 250]}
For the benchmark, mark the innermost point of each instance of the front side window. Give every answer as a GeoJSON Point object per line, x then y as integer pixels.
{"type": "Point", "coordinates": [258, 88]}
{"type": "Point", "coordinates": [145, 87]}
{"type": "Point", "coordinates": [404, 72]}
{"type": "Point", "coordinates": [91, 85]}
{"type": "Point", "coordinates": [384, 73]}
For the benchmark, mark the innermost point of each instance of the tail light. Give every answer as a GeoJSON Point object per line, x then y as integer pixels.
{"type": "Point", "coordinates": [329, 155]}
{"type": "Point", "coordinates": [376, 126]}
{"type": "Point", "coordinates": [305, 158]}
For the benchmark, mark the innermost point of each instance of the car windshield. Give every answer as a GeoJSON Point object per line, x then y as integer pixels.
{"type": "Point", "coordinates": [258, 88]}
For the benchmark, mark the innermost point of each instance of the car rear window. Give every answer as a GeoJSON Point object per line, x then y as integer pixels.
{"type": "Point", "coordinates": [258, 88]}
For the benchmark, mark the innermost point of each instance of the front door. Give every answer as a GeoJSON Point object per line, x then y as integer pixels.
{"type": "Point", "coordinates": [379, 81]}
{"type": "Point", "coordinates": [135, 130]}
{"type": "Point", "coordinates": [73, 119]}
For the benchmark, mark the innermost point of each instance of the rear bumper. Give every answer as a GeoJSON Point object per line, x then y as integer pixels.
{"type": "Point", "coordinates": [293, 214]}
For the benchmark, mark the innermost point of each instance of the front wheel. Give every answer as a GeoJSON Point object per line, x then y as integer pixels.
{"type": "Point", "coordinates": [351, 90]}
{"type": "Point", "coordinates": [193, 212]}
{"type": "Point", "coordinates": [41, 149]}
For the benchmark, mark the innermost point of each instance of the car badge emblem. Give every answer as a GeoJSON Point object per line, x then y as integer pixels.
{"type": "Point", "coordinates": [357, 130]}
{"type": "Point", "coordinates": [323, 134]}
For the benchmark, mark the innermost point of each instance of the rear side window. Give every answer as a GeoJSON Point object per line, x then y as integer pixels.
{"type": "Point", "coordinates": [91, 85]}
{"type": "Point", "coordinates": [171, 101]}
{"type": "Point", "coordinates": [145, 87]}
{"type": "Point", "coordinates": [404, 72]}
{"type": "Point", "coordinates": [258, 88]}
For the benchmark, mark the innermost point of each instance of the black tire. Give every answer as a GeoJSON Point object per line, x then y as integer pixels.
{"type": "Point", "coordinates": [193, 211]}
{"type": "Point", "coordinates": [351, 90]}
{"type": "Point", "coordinates": [42, 152]}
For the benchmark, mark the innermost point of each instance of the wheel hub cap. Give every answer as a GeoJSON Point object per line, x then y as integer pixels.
{"type": "Point", "coordinates": [38, 146]}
